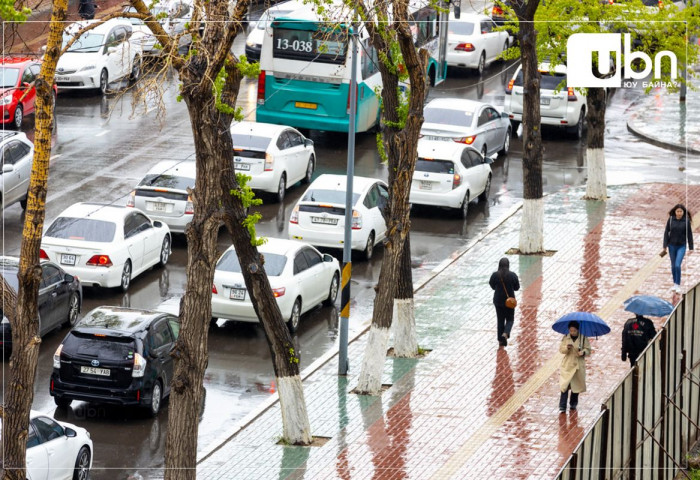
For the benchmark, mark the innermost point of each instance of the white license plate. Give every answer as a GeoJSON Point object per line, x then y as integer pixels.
{"type": "Point", "coordinates": [324, 220]}
{"type": "Point", "coordinates": [95, 371]}
{"type": "Point", "coordinates": [68, 259]}
{"type": "Point", "coordinates": [158, 206]}
{"type": "Point", "coordinates": [237, 294]}
{"type": "Point", "coordinates": [426, 185]}
{"type": "Point", "coordinates": [544, 101]}
{"type": "Point", "coordinates": [439, 139]}
{"type": "Point", "coordinates": [241, 166]}
{"type": "Point", "coordinates": [63, 79]}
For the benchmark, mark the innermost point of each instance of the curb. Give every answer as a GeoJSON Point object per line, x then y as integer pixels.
{"type": "Point", "coordinates": [638, 132]}
{"type": "Point", "coordinates": [330, 354]}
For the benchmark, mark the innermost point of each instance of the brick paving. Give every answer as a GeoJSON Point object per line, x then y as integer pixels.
{"type": "Point", "coordinates": [470, 409]}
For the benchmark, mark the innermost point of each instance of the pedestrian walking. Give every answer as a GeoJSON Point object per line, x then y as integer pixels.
{"type": "Point", "coordinates": [504, 284]}
{"type": "Point", "coordinates": [86, 9]}
{"type": "Point", "coordinates": [572, 372]}
{"type": "Point", "coordinates": [636, 335]}
{"type": "Point", "coordinates": [677, 235]}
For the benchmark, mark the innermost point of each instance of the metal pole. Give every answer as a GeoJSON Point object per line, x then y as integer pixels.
{"type": "Point", "coordinates": [347, 240]}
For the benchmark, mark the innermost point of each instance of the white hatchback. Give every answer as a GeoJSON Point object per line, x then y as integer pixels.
{"type": "Point", "coordinates": [17, 159]}
{"type": "Point", "coordinates": [274, 156]}
{"type": "Point", "coordinates": [300, 276]}
{"type": "Point", "coordinates": [105, 245]}
{"type": "Point", "coordinates": [319, 216]}
{"type": "Point", "coordinates": [473, 41]}
{"type": "Point", "coordinates": [450, 175]}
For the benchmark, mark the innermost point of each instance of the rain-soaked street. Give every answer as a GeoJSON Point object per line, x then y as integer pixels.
{"type": "Point", "coordinates": [102, 149]}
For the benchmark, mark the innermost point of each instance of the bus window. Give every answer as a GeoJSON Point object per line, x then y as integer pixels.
{"type": "Point", "coordinates": [369, 59]}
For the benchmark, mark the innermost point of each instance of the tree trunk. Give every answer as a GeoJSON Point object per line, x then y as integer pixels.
{"type": "Point", "coordinates": [532, 227]}
{"type": "Point", "coordinates": [25, 322]}
{"type": "Point", "coordinates": [596, 184]}
{"type": "Point", "coordinates": [404, 322]}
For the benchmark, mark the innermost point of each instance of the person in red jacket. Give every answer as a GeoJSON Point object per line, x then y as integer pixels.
{"type": "Point", "coordinates": [636, 335]}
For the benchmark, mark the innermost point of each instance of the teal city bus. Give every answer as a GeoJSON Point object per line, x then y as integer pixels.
{"type": "Point", "coordinates": [305, 69]}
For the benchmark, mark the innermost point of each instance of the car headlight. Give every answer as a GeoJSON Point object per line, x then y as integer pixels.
{"type": "Point", "coordinates": [6, 100]}
{"type": "Point", "coordinates": [87, 67]}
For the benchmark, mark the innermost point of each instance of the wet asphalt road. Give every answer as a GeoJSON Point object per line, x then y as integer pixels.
{"type": "Point", "coordinates": [102, 148]}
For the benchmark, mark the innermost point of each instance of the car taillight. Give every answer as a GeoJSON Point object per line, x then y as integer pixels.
{"type": "Point", "coordinates": [269, 162]}
{"type": "Point", "coordinates": [57, 357]}
{"type": "Point", "coordinates": [611, 2]}
{"type": "Point", "coordinates": [465, 47]}
{"type": "Point", "coordinates": [661, 4]}
{"type": "Point", "coordinates": [278, 292]}
{"type": "Point", "coordinates": [213, 289]}
{"type": "Point", "coordinates": [496, 10]}
{"type": "Point", "coordinates": [468, 140]}
{"type": "Point", "coordinates": [356, 220]}
{"type": "Point", "coordinates": [456, 181]}
{"type": "Point", "coordinates": [294, 218]}
{"type": "Point", "coordinates": [42, 254]}
{"type": "Point", "coordinates": [261, 88]}
{"type": "Point", "coordinates": [139, 366]}
{"type": "Point", "coordinates": [189, 206]}
{"type": "Point", "coordinates": [132, 199]}
{"type": "Point", "coordinates": [100, 261]}
{"type": "Point", "coordinates": [571, 94]}
{"type": "Point", "coordinates": [509, 88]}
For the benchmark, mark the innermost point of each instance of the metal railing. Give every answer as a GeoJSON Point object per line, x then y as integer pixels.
{"type": "Point", "coordinates": [650, 421]}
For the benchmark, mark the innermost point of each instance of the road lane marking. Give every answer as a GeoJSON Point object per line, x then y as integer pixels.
{"type": "Point", "coordinates": [103, 132]}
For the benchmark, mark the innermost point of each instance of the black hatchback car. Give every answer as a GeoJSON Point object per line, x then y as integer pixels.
{"type": "Point", "coordinates": [118, 356]}
{"type": "Point", "coordinates": [60, 298]}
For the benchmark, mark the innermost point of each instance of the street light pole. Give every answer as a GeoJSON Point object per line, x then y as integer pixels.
{"type": "Point", "coordinates": [347, 239]}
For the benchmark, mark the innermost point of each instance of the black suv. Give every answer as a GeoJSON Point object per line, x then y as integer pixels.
{"type": "Point", "coordinates": [118, 356]}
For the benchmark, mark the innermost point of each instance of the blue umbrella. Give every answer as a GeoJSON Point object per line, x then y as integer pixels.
{"type": "Point", "coordinates": [648, 305]}
{"type": "Point", "coordinates": [590, 325]}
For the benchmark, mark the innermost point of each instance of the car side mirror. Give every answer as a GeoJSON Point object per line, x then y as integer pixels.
{"type": "Point", "coordinates": [157, 224]}
{"type": "Point", "coordinates": [7, 168]}
{"type": "Point", "coordinates": [68, 278]}
{"type": "Point", "coordinates": [489, 160]}
{"type": "Point", "coordinates": [25, 84]}
{"type": "Point", "coordinates": [308, 142]}
{"type": "Point", "coordinates": [111, 50]}
{"type": "Point", "coordinates": [70, 433]}
{"type": "Point", "coordinates": [43, 48]}
{"type": "Point", "coordinates": [504, 114]}
{"type": "Point", "coordinates": [327, 257]}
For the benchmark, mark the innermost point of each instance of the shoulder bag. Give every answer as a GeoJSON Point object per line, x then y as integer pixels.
{"type": "Point", "coordinates": [511, 302]}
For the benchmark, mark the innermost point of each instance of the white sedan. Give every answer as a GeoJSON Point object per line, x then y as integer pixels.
{"type": "Point", "coordinates": [301, 278]}
{"type": "Point", "coordinates": [450, 175]}
{"type": "Point", "coordinates": [473, 41]}
{"type": "Point", "coordinates": [275, 156]}
{"type": "Point", "coordinates": [105, 245]}
{"type": "Point", "coordinates": [17, 158]}
{"type": "Point", "coordinates": [319, 216]}
{"type": "Point", "coordinates": [57, 450]}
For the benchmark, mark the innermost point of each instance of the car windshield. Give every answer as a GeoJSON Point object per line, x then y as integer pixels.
{"type": "Point", "coordinates": [435, 166]}
{"type": "Point", "coordinates": [87, 43]}
{"type": "Point", "coordinates": [250, 142]}
{"type": "Point", "coordinates": [173, 182]}
{"type": "Point", "coordinates": [105, 348]}
{"type": "Point", "coordinates": [446, 116]}
{"type": "Point", "coordinates": [460, 28]}
{"type": "Point", "coordinates": [274, 263]}
{"type": "Point", "coordinates": [84, 229]}
{"type": "Point", "coordinates": [9, 273]}
{"type": "Point", "coordinates": [328, 196]}
{"type": "Point", "coordinates": [9, 77]}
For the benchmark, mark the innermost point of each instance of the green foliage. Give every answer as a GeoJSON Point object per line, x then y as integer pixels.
{"type": "Point", "coordinates": [292, 356]}
{"type": "Point", "coordinates": [8, 13]}
{"type": "Point", "coordinates": [247, 197]}
{"type": "Point", "coordinates": [247, 69]}
{"type": "Point", "coordinates": [380, 148]}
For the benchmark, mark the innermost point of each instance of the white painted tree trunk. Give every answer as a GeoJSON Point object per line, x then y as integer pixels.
{"type": "Point", "coordinates": [296, 428]}
{"type": "Point", "coordinates": [596, 185]}
{"type": "Point", "coordinates": [370, 380]}
{"type": "Point", "coordinates": [404, 327]}
{"type": "Point", "coordinates": [532, 226]}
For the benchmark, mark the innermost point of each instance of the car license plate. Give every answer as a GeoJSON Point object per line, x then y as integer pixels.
{"type": "Point", "coordinates": [95, 371]}
{"type": "Point", "coordinates": [68, 259]}
{"type": "Point", "coordinates": [424, 185]}
{"type": "Point", "coordinates": [310, 106]}
{"type": "Point", "coordinates": [435, 137]}
{"type": "Point", "coordinates": [241, 166]}
{"type": "Point", "coordinates": [237, 294]}
{"type": "Point", "coordinates": [544, 100]}
{"type": "Point", "coordinates": [158, 206]}
{"type": "Point", "coordinates": [63, 79]}
{"type": "Point", "coordinates": [324, 220]}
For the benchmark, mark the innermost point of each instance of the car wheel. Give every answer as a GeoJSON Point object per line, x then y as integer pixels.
{"type": "Point", "coordinates": [333, 291]}
{"type": "Point", "coordinates": [62, 402]}
{"type": "Point", "coordinates": [309, 170]}
{"type": "Point", "coordinates": [505, 47]}
{"type": "Point", "coordinates": [73, 309]}
{"type": "Point", "coordinates": [23, 202]}
{"type": "Point", "coordinates": [135, 70]}
{"type": "Point", "coordinates": [506, 143]}
{"type": "Point", "coordinates": [482, 64]}
{"type": "Point", "coordinates": [293, 322]}
{"type": "Point", "coordinates": [164, 252]}
{"type": "Point", "coordinates": [464, 209]}
{"type": "Point", "coordinates": [369, 248]}
{"type": "Point", "coordinates": [484, 150]}
{"type": "Point", "coordinates": [82, 465]}
{"type": "Point", "coordinates": [104, 81]}
{"type": "Point", "coordinates": [19, 116]}
{"type": "Point", "coordinates": [126, 276]}
{"type": "Point", "coordinates": [487, 188]}
{"type": "Point", "coordinates": [282, 188]}
{"type": "Point", "coordinates": [577, 130]}
{"type": "Point", "coordinates": [156, 399]}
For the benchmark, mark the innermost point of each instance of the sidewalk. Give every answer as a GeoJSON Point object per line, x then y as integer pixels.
{"type": "Point", "coordinates": [661, 119]}
{"type": "Point", "coordinates": [470, 409]}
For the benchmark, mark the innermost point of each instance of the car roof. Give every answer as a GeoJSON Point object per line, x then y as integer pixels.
{"type": "Point", "coordinates": [183, 168]}
{"type": "Point", "coordinates": [116, 321]}
{"type": "Point", "coordinates": [469, 17]}
{"type": "Point", "coordinates": [439, 150]}
{"type": "Point", "coordinates": [338, 182]}
{"type": "Point", "coordinates": [257, 129]}
{"type": "Point", "coordinates": [8, 134]}
{"type": "Point", "coordinates": [280, 246]}
{"type": "Point", "coordinates": [97, 211]}
{"type": "Point", "coordinates": [463, 104]}
{"type": "Point", "coordinates": [101, 28]}
{"type": "Point", "coordinates": [547, 67]}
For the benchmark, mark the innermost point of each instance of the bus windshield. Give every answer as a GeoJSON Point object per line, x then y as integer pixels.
{"type": "Point", "coordinates": [318, 46]}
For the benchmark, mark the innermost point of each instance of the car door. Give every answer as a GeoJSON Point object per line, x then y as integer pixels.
{"type": "Point", "coordinates": [375, 201]}
{"type": "Point", "coordinates": [28, 90]}
{"type": "Point", "coordinates": [476, 172]}
{"type": "Point", "coordinates": [487, 126]}
{"type": "Point", "coordinates": [135, 244]}
{"type": "Point", "coordinates": [490, 39]}
{"type": "Point", "coordinates": [282, 159]}
{"type": "Point", "coordinates": [316, 287]}
{"type": "Point", "coordinates": [114, 51]}
{"type": "Point", "coordinates": [301, 278]}
{"type": "Point", "coordinates": [151, 240]}
{"type": "Point", "coordinates": [298, 159]}
{"type": "Point", "coordinates": [53, 297]}
{"type": "Point", "coordinates": [57, 446]}
{"type": "Point", "coordinates": [16, 164]}
{"type": "Point", "coordinates": [161, 342]}
{"type": "Point", "coordinates": [37, 458]}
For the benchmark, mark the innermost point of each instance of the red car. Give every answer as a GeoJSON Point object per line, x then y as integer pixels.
{"type": "Point", "coordinates": [17, 93]}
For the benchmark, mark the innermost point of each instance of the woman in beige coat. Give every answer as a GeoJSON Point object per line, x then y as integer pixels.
{"type": "Point", "coordinates": [572, 373]}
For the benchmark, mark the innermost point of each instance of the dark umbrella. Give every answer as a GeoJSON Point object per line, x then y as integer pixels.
{"type": "Point", "coordinates": [589, 324]}
{"type": "Point", "coordinates": [648, 305]}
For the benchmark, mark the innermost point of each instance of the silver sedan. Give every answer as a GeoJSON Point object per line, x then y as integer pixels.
{"type": "Point", "coordinates": [466, 121]}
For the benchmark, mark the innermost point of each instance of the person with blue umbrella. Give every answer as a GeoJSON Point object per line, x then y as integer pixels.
{"type": "Point", "coordinates": [572, 372]}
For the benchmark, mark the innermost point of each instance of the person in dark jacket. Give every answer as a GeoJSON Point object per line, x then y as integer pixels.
{"type": "Point", "coordinates": [677, 236]}
{"type": "Point", "coordinates": [636, 335]}
{"type": "Point", "coordinates": [86, 9]}
{"type": "Point", "coordinates": [504, 284]}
